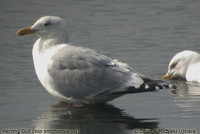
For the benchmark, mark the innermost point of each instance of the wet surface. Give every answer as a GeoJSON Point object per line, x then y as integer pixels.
{"type": "Point", "coordinates": [143, 34]}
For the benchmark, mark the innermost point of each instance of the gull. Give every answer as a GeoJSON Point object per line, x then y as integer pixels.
{"type": "Point", "coordinates": [80, 75]}
{"type": "Point", "coordinates": [184, 65]}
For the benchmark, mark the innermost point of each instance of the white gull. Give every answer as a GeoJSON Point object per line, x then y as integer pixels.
{"type": "Point", "coordinates": [76, 74]}
{"type": "Point", "coordinates": [184, 65]}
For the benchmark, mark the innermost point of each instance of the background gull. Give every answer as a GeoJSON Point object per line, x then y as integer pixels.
{"type": "Point", "coordinates": [77, 74]}
{"type": "Point", "coordinates": [184, 65]}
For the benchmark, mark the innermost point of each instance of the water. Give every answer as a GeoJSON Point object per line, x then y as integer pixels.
{"type": "Point", "coordinates": [144, 34]}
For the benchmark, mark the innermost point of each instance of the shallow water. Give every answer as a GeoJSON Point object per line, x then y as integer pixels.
{"type": "Point", "coordinates": [143, 34]}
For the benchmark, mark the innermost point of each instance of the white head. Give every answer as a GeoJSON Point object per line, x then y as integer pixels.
{"type": "Point", "coordinates": [179, 64]}
{"type": "Point", "coordinates": [48, 27]}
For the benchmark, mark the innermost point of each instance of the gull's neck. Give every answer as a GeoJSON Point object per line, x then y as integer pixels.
{"type": "Point", "coordinates": [45, 44]}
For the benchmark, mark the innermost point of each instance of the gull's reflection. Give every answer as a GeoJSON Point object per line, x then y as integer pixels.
{"type": "Point", "coordinates": [95, 119]}
{"type": "Point", "coordinates": [186, 89]}
{"type": "Point", "coordinates": [188, 97]}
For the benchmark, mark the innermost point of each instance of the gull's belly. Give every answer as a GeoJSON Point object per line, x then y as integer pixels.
{"type": "Point", "coordinates": [41, 63]}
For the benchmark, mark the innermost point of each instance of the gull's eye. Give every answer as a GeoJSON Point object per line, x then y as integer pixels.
{"type": "Point", "coordinates": [47, 23]}
{"type": "Point", "coordinates": [173, 65]}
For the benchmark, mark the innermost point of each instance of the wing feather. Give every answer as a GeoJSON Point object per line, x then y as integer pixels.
{"type": "Point", "coordinates": [79, 72]}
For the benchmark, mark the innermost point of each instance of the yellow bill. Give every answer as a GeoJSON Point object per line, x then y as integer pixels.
{"type": "Point", "coordinates": [168, 76]}
{"type": "Point", "coordinates": [25, 31]}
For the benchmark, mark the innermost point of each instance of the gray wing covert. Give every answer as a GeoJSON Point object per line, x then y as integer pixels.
{"type": "Point", "coordinates": [79, 72]}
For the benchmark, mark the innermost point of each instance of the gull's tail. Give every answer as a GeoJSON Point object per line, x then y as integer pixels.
{"type": "Point", "coordinates": [147, 86]}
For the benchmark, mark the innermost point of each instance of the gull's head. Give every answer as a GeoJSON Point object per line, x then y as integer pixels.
{"type": "Point", "coordinates": [179, 64]}
{"type": "Point", "coordinates": [47, 27]}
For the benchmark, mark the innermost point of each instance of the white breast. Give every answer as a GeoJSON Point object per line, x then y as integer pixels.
{"type": "Point", "coordinates": [193, 72]}
{"type": "Point", "coordinates": [42, 59]}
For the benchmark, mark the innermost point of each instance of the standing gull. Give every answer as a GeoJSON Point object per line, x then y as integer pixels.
{"type": "Point", "coordinates": [184, 65]}
{"type": "Point", "coordinates": [76, 74]}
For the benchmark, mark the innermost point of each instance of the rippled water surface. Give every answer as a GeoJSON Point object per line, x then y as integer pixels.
{"type": "Point", "coordinates": [144, 34]}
